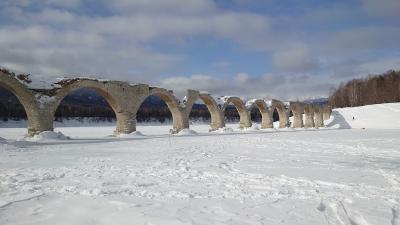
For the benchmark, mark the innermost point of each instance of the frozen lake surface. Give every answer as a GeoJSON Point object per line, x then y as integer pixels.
{"type": "Point", "coordinates": [327, 176]}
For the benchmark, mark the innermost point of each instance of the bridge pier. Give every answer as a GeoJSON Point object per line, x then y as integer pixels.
{"type": "Point", "coordinates": [40, 113]}
{"type": "Point", "coordinates": [283, 115]}
{"type": "Point", "coordinates": [217, 116]}
{"type": "Point", "coordinates": [318, 115]}
{"type": "Point", "coordinates": [309, 114]}
{"type": "Point", "coordinates": [244, 120]}
{"type": "Point", "coordinates": [297, 110]}
{"type": "Point", "coordinates": [327, 111]}
{"type": "Point", "coordinates": [38, 121]}
{"type": "Point", "coordinates": [126, 123]}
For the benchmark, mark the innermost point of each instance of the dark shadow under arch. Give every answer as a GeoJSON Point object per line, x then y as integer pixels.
{"type": "Point", "coordinates": [10, 106]}
{"type": "Point", "coordinates": [154, 109]}
{"type": "Point", "coordinates": [85, 102]}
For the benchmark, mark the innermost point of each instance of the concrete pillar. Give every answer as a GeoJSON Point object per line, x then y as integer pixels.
{"type": "Point", "coordinates": [318, 115]}
{"type": "Point", "coordinates": [245, 120]}
{"type": "Point", "coordinates": [283, 115]}
{"type": "Point", "coordinates": [266, 120]}
{"type": "Point", "coordinates": [297, 110]}
{"type": "Point", "coordinates": [40, 113]}
{"type": "Point", "coordinates": [129, 99]}
{"type": "Point", "coordinates": [217, 117]}
{"type": "Point", "coordinates": [266, 115]}
{"type": "Point", "coordinates": [186, 106]}
{"type": "Point", "coordinates": [38, 121]}
{"type": "Point", "coordinates": [126, 123]}
{"type": "Point", "coordinates": [180, 110]}
{"type": "Point", "coordinates": [327, 111]}
{"type": "Point", "coordinates": [309, 114]}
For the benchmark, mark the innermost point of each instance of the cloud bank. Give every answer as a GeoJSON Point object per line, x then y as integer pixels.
{"type": "Point", "coordinates": [246, 48]}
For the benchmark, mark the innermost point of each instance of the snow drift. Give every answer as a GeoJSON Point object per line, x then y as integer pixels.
{"type": "Point", "coordinates": [379, 116]}
{"type": "Point", "coordinates": [48, 136]}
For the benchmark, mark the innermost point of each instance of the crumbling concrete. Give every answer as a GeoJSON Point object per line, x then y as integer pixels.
{"type": "Point", "coordinates": [297, 108]}
{"type": "Point", "coordinates": [282, 112]}
{"type": "Point", "coordinates": [326, 112]}
{"type": "Point", "coordinates": [266, 114]}
{"type": "Point", "coordinates": [217, 116]}
{"type": "Point", "coordinates": [309, 114]}
{"type": "Point", "coordinates": [125, 99]}
{"type": "Point", "coordinates": [244, 114]}
{"type": "Point", "coordinates": [318, 116]}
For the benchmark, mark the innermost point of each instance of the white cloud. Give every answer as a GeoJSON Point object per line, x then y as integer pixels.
{"type": "Point", "coordinates": [147, 27]}
{"type": "Point", "coordinates": [295, 58]}
{"type": "Point", "coordinates": [384, 8]}
{"type": "Point", "coordinates": [162, 6]}
{"type": "Point", "coordinates": [121, 43]}
{"type": "Point", "coordinates": [363, 38]}
{"type": "Point", "coordinates": [241, 78]}
{"type": "Point", "coordinates": [285, 87]}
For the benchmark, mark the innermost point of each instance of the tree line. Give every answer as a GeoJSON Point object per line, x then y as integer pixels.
{"type": "Point", "coordinates": [374, 89]}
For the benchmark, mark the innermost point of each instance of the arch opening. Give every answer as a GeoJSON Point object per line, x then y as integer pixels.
{"type": "Point", "coordinates": [12, 110]}
{"type": "Point", "coordinates": [153, 110]}
{"type": "Point", "coordinates": [209, 112]}
{"type": "Point", "coordinates": [231, 114]}
{"type": "Point", "coordinates": [275, 116]}
{"type": "Point", "coordinates": [279, 116]}
{"type": "Point", "coordinates": [244, 115]}
{"type": "Point", "coordinates": [88, 107]}
{"type": "Point", "coordinates": [84, 103]}
{"type": "Point", "coordinates": [200, 114]}
{"type": "Point", "coordinates": [255, 115]}
{"type": "Point", "coordinates": [260, 113]}
{"type": "Point", "coordinates": [162, 104]}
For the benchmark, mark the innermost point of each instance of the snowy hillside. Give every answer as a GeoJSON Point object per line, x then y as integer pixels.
{"type": "Point", "coordinates": [379, 116]}
{"type": "Point", "coordinates": [287, 176]}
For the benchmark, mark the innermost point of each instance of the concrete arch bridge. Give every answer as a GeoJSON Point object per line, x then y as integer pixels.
{"type": "Point", "coordinates": [40, 104]}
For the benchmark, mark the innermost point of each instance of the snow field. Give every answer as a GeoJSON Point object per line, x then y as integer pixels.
{"type": "Point", "coordinates": [289, 176]}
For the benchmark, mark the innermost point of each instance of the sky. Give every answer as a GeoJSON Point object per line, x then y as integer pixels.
{"type": "Point", "coordinates": [283, 49]}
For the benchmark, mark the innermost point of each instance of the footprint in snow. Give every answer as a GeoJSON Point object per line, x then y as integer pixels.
{"type": "Point", "coordinates": [395, 215]}
{"type": "Point", "coordinates": [337, 214]}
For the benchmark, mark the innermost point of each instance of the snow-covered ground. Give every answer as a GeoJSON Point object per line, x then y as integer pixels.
{"type": "Point", "coordinates": [288, 176]}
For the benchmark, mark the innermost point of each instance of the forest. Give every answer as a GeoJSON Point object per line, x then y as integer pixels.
{"type": "Point", "coordinates": [373, 89]}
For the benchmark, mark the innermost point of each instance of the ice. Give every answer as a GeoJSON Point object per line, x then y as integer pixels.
{"type": "Point", "coordinates": [3, 141]}
{"type": "Point", "coordinates": [48, 136]}
{"type": "Point", "coordinates": [135, 134]}
{"type": "Point", "coordinates": [186, 132]}
{"type": "Point", "coordinates": [229, 176]}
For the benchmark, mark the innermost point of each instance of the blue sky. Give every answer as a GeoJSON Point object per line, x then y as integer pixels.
{"type": "Point", "coordinates": [270, 48]}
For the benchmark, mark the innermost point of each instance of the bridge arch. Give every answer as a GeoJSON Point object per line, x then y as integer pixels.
{"type": "Point", "coordinates": [217, 118]}
{"type": "Point", "coordinates": [102, 88]}
{"type": "Point", "coordinates": [173, 105]}
{"type": "Point", "coordinates": [10, 83]}
{"type": "Point", "coordinates": [266, 114]}
{"type": "Point", "coordinates": [281, 109]}
{"type": "Point", "coordinates": [244, 115]}
{"type": "Point", "coordinates": [34, 103]}
{"type": "Point", "coordinates": [122, 97]}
